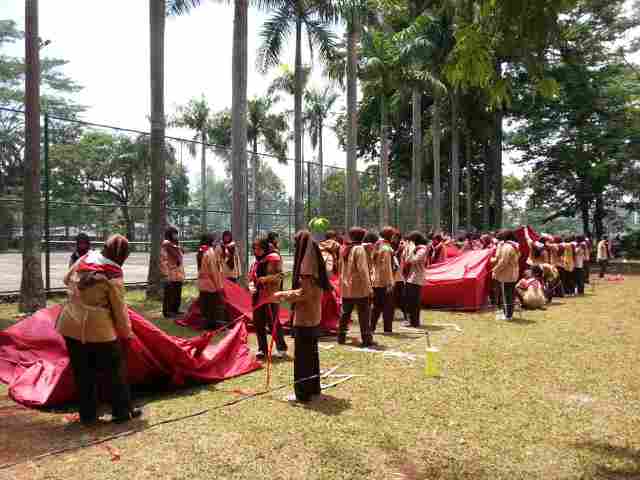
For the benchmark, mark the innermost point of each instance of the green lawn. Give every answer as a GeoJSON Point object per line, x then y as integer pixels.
{"type": "Point", "coordinates": [554, 394]}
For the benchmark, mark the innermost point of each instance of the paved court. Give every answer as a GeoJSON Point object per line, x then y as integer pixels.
{"type": "Point", "coordinates": [135, 269]}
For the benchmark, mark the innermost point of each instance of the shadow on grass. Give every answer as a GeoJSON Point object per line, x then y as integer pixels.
{"type": "Point", "coordinates": [628, 460]}
{"type": "Point", "coordinates": [327, 405]}
{"type": "Point", "coordinates": [522, 321]}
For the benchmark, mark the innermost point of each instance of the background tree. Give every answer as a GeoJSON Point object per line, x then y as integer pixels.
{"type": "Point", "coordinates": [32, 296]}
{"type": "Point", "coordinates": [295, 15]}
{"type": "Point", "coordinates": [319, 104]}
{"type": "Point", "coordinates": [195, 116]}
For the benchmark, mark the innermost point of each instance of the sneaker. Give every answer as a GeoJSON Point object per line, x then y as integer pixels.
{"type": "Point", "coordinates": [260, 355]}
{"type": "Point", "coordinates": [501, 316]}
{"type": "Point", "coordinates": [342, 339]}
{"type": "Point", "coordinates": [280, 354]}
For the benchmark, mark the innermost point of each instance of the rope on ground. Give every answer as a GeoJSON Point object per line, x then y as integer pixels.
{"type": "Point", "coordinates": [131, 432]}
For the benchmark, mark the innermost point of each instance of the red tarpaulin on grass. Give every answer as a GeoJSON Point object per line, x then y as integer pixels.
{"type": "Point", "coordinates": [461, 282]}
{"type": "Point", "coordinates": [35, 364]}
{"type": "Point", "coordinates": [238, 303]}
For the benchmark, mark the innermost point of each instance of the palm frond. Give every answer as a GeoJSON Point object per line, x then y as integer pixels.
{"type": "Point", "coordinates": [181, 7]}
{"type": "Point", "coordinates": [274, 33]}
{"type": "Point", "coordinates": [321, 35]}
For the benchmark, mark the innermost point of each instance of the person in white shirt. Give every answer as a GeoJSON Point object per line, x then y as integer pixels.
{"type": "Point", "coordinates": [415, 277]}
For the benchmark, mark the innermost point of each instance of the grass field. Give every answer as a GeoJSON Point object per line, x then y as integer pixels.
{"type": "Point", "coordinates": [553, 394]}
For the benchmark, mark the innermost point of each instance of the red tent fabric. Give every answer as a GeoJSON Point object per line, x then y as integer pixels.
{"type": "Point", "coordinates": [462, 282]}
{"type": "Point", "coordinates": [238, 303]}
{"type": "Point", "coordinates": [35, 364]}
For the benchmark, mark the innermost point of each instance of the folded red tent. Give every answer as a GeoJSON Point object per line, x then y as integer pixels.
{"type": "Point", "coordinates": [461, 282]}
{"type": "Point", "coordinates": [35, 364]}
{"type": "Point", "coordinates": [238, 304]}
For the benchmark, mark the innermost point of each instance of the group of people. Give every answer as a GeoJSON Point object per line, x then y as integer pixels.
{"type": "Point", "coordinates": [376, 274]}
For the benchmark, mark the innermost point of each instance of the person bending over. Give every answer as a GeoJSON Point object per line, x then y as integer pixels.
{"type": "Point", "coordinates": [93, 325]}
{"type": "Point", "coordinates": [172, 269]}
{"type": "Point", "coordinates": [310, 280]}
{"type": "Point", "coordinates": [355, 286]}
{"type": "Point", "coordinates": [265, 279]}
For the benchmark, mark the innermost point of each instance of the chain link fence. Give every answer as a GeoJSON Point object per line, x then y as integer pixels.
{"type": "Point", "coordinates": [96, 179]}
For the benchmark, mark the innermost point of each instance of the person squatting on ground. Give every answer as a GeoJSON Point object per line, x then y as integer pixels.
{"type": "Point", "coordinates": [83, 245]}
{"type": "Point", "coordinates": [530, 289]}
{"type": "Point", "coordinates": [94, 325]}
{"type": "Point", "coordinates": [356, 288]}
{"type": "Point", "coordinates": [265, 279]}
{"type": "Point", "coordinates": [172, 269]}
{"type": "Point", "coordinates": [414, 274]}
{"type": "Point", "coordinates": [211, 283]}
{"type": "Point", "coordinates": [506, 269]}
{"type": "Point", "coordinates": [551, 279]}
{"type": "Point", "coordinates": [310, 281]}
{"type": "Point", "coordinates": [231, 258]}
{"type": "Point", "coordinates": [383, 281]}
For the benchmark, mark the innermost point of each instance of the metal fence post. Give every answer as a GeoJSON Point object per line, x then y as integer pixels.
{"type": "Point", "coordinates": [47, 246]}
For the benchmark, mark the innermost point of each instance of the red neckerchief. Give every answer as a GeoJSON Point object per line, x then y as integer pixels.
{"type": "Point", "coordinates": [97, 263]}
{"type": "Point", "coordinates": [346, 250]}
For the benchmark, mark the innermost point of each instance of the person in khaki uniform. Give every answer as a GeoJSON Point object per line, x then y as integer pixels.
{"type": "Point", "coordinates": [415, 277]}
{"type": "Point", "coordinates": [231, 257]}
{"type": "Point", "coordinates": [530, 289]}
{"type": "Point", "coordinates": [506, 269]}
{"type": "Point", "coordinates": [383, 281]}
{"type": "Point", "coordinates": [211, 284]}
{"type": "Point", "coordinates": [172, 268]}
{"type": "Point", "coordinates": [310, 281]}
{"type": "Point", "coordinates": [355, 286]}
{"type": "Point", "coordinates": [92, 323]}
{"type": "Point", "coordinates": [330, 249]}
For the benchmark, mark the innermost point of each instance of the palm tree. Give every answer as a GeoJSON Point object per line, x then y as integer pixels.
{"type": "Point", "coordinates": [195, 116]}
{"type": "Point", "coordinates": [157, 12]}
{"type": "Point", "coordinates": [239, 75]}
{"type": "Point", "coordinates": [380, 72]}
{"type": "Point", "coordinates": [32, 296]}
{"type": "Point", "coordinates": [318, 108]}
{"type": "Point", "coordinates": [288, 15]}
{"type": "Point", "coordinates": [270, 130]}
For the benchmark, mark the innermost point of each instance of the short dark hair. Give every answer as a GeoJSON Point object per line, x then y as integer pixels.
{"type": "Point", "coordinates": [169, 231]}
{"type": "Point", "coordinates": [356, 234]}
{"type": "Point", "coordinates": [273, 236]}
{"type": "Point", "coordinates": [505, 235]}
{"type": "Point", "coordinates": [417, 237]}
{"type": "Point", "coordinates": [207, 239]}
{"type": "Point", "coordinates": [537, 271]}
{"type": "Point", "coordinates": [371, 237]}
{"type": "Point", "coordinates": [263, 242]}
{"type": "Point", "coordinates": [331, 234]}
{"type": "Point", "coordinates": [82, 237]}
{"type": "Point", "coordinates": [388, 233]}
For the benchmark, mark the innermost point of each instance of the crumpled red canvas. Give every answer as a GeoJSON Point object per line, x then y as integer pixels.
{"type": "Point", "coordinates": [35, 364]}
{"type": "Point", "coordinates": [238, 304]}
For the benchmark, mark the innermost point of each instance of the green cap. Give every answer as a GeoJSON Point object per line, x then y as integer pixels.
{"type": "Point", "coordinates": [319, 225]}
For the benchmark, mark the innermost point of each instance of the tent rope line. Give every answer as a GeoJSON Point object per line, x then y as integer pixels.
{"type": "Point", "coordinates": [131, 432]}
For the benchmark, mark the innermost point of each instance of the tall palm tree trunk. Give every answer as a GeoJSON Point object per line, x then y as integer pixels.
{"type": "Point", "coordinates": [384, 165]}
{"type": "Point", "coordinates": [321, 175]}
{"type": "Point", "coordinates": [32, 296]}
{"type": "Point", "coordinates": [498, 169]}
{"type": "Point", "coordinates": [239, 128]}
{"type": "Point", "coordinates": [351, 194]}
{"type": "Point", "coordinates": [467, 179]}
{"type": "Point", "coordinates": [255, 168]}
{"type": "Point", "coordinates": [435, 133]}
{"type": "Point", "coordinates": [417, 193]}
{"type": "Point", "coordinates": [455, 163]}
{"type": "Point", "coordinates": [157, 11]}
{"type": "Point", "coordinates": [486, 188]}
{"type": "Point", "coordinates": [203, 183]}
{"type": "Point", "coordinates": [297, 127]}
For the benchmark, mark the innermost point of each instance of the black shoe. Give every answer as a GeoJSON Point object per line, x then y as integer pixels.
{"type": "Point", "coordinates": [134, 413]}
{"type": "Point", "coordinates": [342, 339]}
